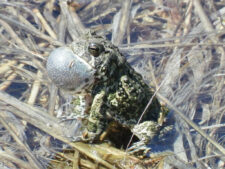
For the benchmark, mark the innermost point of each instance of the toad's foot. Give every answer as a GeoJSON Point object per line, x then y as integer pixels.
{"type": "Point", "coordinates": [90, 137]}
{"type": "Point", "coordinates": [139, 149]}
{"type": "Point", "coordinates": [145, 132]}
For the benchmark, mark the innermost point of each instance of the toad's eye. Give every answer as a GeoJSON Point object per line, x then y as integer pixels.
{"type": "Point", "coordinates": [95, 49]}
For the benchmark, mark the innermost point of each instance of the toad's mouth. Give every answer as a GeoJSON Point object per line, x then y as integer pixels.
{"type": "Point", "coordinates": [68, 71]}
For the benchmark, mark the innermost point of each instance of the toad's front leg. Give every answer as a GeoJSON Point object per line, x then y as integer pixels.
{"type": "Point", "coordinates": [97, 120]}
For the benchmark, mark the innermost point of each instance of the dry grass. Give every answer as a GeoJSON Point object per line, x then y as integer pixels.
{"type": "Point", "coordinates": [177, 46]}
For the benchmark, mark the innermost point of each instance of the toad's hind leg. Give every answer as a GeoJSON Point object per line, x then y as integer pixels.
{"type": "Point", "coordinates": [96, 121]}
{"type": "Point", "coordinates": [145, 132]}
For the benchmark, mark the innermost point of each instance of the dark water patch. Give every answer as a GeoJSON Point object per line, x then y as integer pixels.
{"type": "Point", "coordinates": [30, 68]}
{"type": "Point", "coordinates": [16, 89]}
{"type": "Point", "coordinates": [205, 98]}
